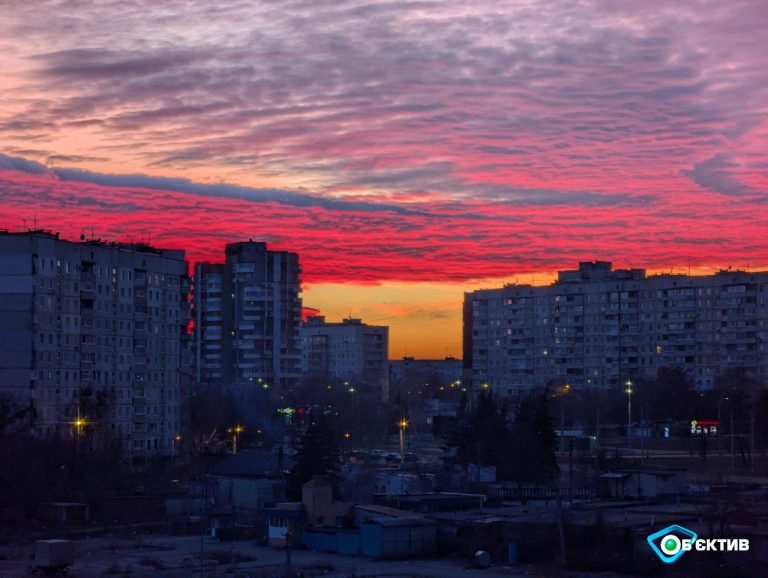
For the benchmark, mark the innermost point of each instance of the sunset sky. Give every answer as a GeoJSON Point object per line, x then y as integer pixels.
{"type": "Point", "coordinates": [408, 151]}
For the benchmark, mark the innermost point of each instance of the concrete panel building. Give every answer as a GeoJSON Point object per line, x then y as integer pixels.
{"type": "Point", "coordinates": [247, 317]}
{"type": "Point", "coordinates": [97, 327]}
{"type": "Point", "coordinates": [434, 371]}
{"type": "Point", "coordinates": [349, 351]}
{"type": "Point", "coordinates": [598, 327]}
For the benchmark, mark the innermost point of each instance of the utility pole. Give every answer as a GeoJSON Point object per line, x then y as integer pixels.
{"type": "Point", "coordinates": [288, 566]}
{"type": "Point", "coordinates": [732, 434]}
{"type": "Point", "coordinates": [751, 440]}
{"type": "Point", "coordinates": [628, 390]}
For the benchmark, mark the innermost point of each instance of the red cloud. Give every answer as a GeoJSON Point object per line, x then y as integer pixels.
{"type": "Point", "coordinates": [434, 241]}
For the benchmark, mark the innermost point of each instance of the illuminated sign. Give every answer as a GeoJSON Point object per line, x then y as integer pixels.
{"type": "Point", "coordinates": [704, 427]}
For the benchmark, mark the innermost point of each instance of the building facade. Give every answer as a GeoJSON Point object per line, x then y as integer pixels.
{"type": "Point", "coordinates": [247, 317]}
{"type": "Point", "coordinates": [435, 371]}
{"type": "Point", "coordinates": [96, 330]}
{"type": "Point", "coordinates": [349, 351]}
{"type": "Point", "coordinates": [599, 327]}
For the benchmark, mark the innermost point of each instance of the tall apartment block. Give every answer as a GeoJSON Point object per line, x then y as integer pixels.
{"type": "Point", "coordinates": [247, 317]}
{"type": "Point", "coordinates": [94, 320]}
{"type": "Point", "coordinates": [598, 327]}
{"type": "Point", "coordinates": [349, 351]}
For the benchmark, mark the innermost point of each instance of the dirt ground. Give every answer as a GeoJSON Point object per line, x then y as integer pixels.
{"type": "Point", "coordinates": [179, 556]}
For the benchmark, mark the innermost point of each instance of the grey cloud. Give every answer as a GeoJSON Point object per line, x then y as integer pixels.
{"type": "Point", "coordinates": [90, 64]}
{"type": "Point", "coordinates": [716, 174]}
{"type": "Point", "coordinates": [24, 165]}
{"type": "Point", "coordinates": [286, 197]}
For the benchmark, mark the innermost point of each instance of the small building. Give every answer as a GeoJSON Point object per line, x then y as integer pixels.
{"type": "Point", "coordinates": [249, 481]}
{"type": "Point", "coordinates": [320, 507]}
{"type": "Point", "coordinates": [398, 537]}
{"type": "Point", "coordinates": [284, 523]}
{"type": "Point", "coordinates": [645, 483]}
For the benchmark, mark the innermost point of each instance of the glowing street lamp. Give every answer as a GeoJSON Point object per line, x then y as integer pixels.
{"type": "Point", "coordinates": [174, 440]}
{"type": "Point", "coordinates": [235, 431]}
{"type": "Point", "coordinates": [628, 391]}
{"type": "Point", "coordinates": [79, 423]}
{"type": "Point", "coordinates": [402, 426]}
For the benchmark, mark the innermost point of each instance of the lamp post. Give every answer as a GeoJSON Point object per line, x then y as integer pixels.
{"type": "Point", "coordinates": [628, 391]}
{"type": "Point", "coordinates": [720, 424]}
{"type": "Point", "coordinates": [402, 425]}
{"type": "Point", "coordinates": [174, 440]}
{"type": "Point", "coordinates": [235, 431]}
{"type": "Point", "coordinates": [79, 423]}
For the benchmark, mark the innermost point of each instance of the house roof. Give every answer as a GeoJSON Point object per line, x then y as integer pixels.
{"type": "Point", "coordinates": [384, 511]}
{"type": "Point", "coordinates": [413, 521]}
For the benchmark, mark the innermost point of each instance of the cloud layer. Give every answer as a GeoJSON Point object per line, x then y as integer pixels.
{"type": "Point", "coordinates": [394, 140]}
{"type": "Point", "coordinates": [348, 240]}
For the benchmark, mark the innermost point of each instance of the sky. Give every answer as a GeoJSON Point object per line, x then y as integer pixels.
{"type": "Point", "coordinates": [408, 151]}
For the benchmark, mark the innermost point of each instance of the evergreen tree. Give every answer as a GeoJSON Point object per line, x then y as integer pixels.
{"type": "Point", "coordinates": [317, 454]}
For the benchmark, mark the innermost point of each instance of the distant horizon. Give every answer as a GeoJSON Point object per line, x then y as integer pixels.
{"type": "Point", "coordinates": [417, 300]}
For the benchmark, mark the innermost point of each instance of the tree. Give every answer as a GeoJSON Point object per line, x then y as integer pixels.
{"type": "Point", "coordinates": [670, 396]}
{"type": "Point", "coordinates": [483, 434]}
{"type": "Point", "coordinates": [532, 453]}
{"type": "Point", "coordinates": [522, 451]}
{"type": "Point", "coordinates": [211, 411]}
{"type": "Point", "coordinates": [317, 454]}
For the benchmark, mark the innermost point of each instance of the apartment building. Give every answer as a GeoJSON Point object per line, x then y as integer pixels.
{"type": "Point", "coordinates": [434, 371]}
{"type": "Point", "coordinates": [97, 330]}
{"type": "Point", "coordinates": [247, 317]}
{"type": "Point", "coordinates": [350, 351]}
{"type": "Point", "coordinates": [599, 327]}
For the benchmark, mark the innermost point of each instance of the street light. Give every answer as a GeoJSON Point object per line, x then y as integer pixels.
{"type": "Point", "coordinates": [628, 391]}
{"type": "Point", "coordinates": [174, 440]}
{"type": "Point", "coordinates": [79, 423]}
{"type": "Point", "coordinates": [235, 431]}
{"type": "Point", "coordinates": [562, 391]}
{"type": "Point", "coordinates": [402, 425]}
{"type": "Point", "coordinates": [720, 424]}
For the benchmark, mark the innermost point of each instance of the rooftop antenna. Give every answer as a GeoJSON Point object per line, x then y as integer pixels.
{"type": "Point", "coordinates": [34, 220]}
{"type": "Point", "coordinates": [689, 265]}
